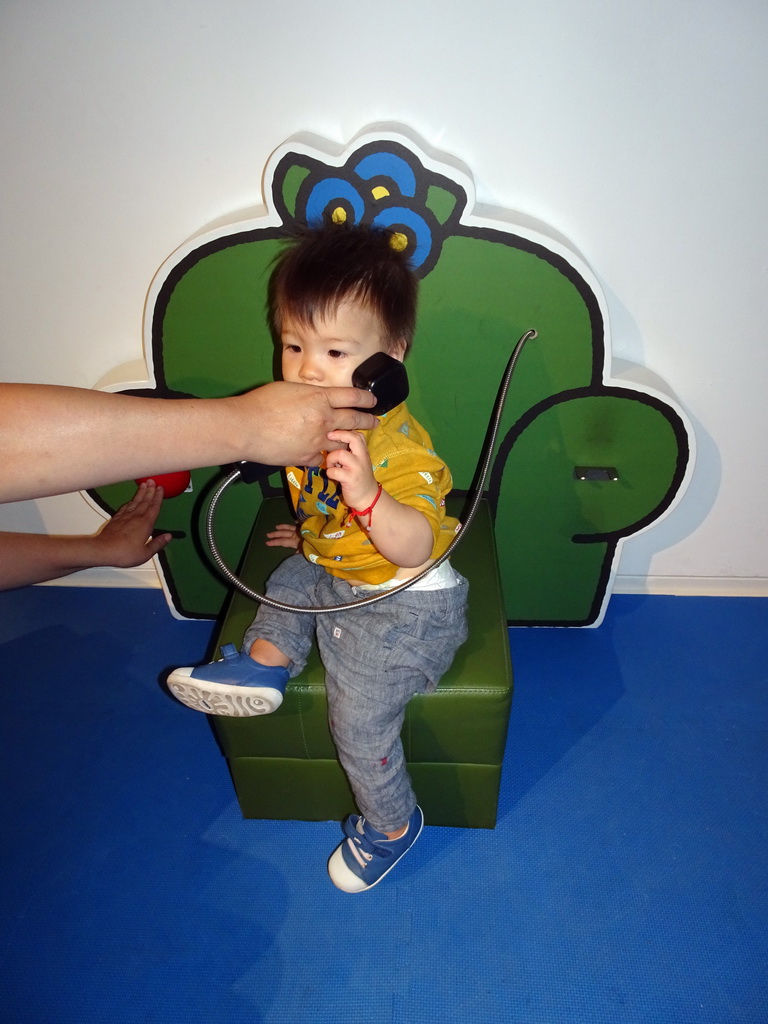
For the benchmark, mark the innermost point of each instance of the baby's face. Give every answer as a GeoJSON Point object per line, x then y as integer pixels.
{"type": "Point", "coordinates": [327, 353]}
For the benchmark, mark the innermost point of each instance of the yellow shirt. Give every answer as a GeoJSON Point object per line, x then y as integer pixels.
{"type": "Point", "coordinates": [406, 467]}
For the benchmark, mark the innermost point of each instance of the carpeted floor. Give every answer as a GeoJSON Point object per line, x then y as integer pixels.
{"type": "Point", "coordinates": [625, 882]}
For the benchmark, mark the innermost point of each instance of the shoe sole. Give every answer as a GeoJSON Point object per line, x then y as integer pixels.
{"type": "Point", "coordinates": [221, 699]}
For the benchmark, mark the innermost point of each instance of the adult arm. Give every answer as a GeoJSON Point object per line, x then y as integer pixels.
{"type": "Point", "coordinates": [125, 540]}
{"type": "Point", "coordinates": [59, 439]}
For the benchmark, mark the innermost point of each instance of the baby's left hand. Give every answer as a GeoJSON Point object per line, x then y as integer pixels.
{"type": "Point", "coordinates": [352, 469]}
{"type": "Point", "coordinates": [284, 535]}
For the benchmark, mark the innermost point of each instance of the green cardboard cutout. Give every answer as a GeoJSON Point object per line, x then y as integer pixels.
{"type": "Point", "coordinates": [567, 430]}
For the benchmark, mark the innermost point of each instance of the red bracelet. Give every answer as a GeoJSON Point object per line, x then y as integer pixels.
{"type": "Point", "coordinates": [366, 511]}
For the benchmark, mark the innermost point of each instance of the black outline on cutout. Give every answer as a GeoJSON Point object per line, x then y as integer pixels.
{"type": "Point", "coordinates": [611, 539]}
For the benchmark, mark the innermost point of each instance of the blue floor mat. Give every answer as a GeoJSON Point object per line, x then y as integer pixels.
{"type": "Point", "coordinates": [625, 882]}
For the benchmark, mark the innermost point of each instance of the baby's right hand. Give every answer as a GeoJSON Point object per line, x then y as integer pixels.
{"type": "Point", "coordinates": [284, 535]}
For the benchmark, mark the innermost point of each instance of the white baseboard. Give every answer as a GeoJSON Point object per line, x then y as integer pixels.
{"type": "Point", "coordinates": [143, 576]}
{"type": "Point", "coordinates": [693, 586]}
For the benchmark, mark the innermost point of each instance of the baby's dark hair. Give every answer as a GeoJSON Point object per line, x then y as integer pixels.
{"type": "Point", "coordinates": [322, 267]}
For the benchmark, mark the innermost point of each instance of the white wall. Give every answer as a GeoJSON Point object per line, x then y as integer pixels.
{"type": "Point", "coordinates": [636, 129]}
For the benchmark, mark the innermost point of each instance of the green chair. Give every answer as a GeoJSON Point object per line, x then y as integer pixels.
{"type": "Point", "coordinates": [284, 765]}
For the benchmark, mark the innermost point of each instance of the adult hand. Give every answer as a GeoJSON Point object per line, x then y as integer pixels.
{"type": "Point", "coordinates": [290, 423]}
{"type": "Point", "coordinates": [126, 539]}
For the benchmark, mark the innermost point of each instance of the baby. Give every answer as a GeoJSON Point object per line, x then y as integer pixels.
{"type": "Point", "coordinates": [372, 516]}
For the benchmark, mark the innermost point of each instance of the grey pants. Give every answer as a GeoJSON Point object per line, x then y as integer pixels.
{"type": "Point", "coordinates": [375, 659]}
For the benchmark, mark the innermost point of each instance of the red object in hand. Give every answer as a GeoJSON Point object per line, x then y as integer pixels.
{"type": "Point", "coordinates": [173, 484]}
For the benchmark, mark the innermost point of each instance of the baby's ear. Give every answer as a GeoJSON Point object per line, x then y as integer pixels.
{"type": "Point", "coordinates": [397, 350]}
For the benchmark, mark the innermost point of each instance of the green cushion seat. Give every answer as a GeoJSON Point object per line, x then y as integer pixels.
{"type": "Point", "coordinates": [284, 765]}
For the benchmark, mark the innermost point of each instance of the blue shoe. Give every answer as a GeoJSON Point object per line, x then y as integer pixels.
{"type": "Point", "coordinates": [236, 686]}
{"type": "Point", "coordinates": [366, 855]}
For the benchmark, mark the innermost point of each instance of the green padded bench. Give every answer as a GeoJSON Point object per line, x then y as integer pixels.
{"type": "Point", "coordinates": [284, 765]}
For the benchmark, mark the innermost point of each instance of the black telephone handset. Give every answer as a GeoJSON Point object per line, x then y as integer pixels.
{"type": "Point", "coordinates": [385, 377]}
{"type": "Point", "coordinates": [381, 374]}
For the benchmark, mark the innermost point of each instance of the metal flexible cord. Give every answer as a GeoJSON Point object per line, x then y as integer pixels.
{"type": "Point", "coordinates": [487, 454]}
